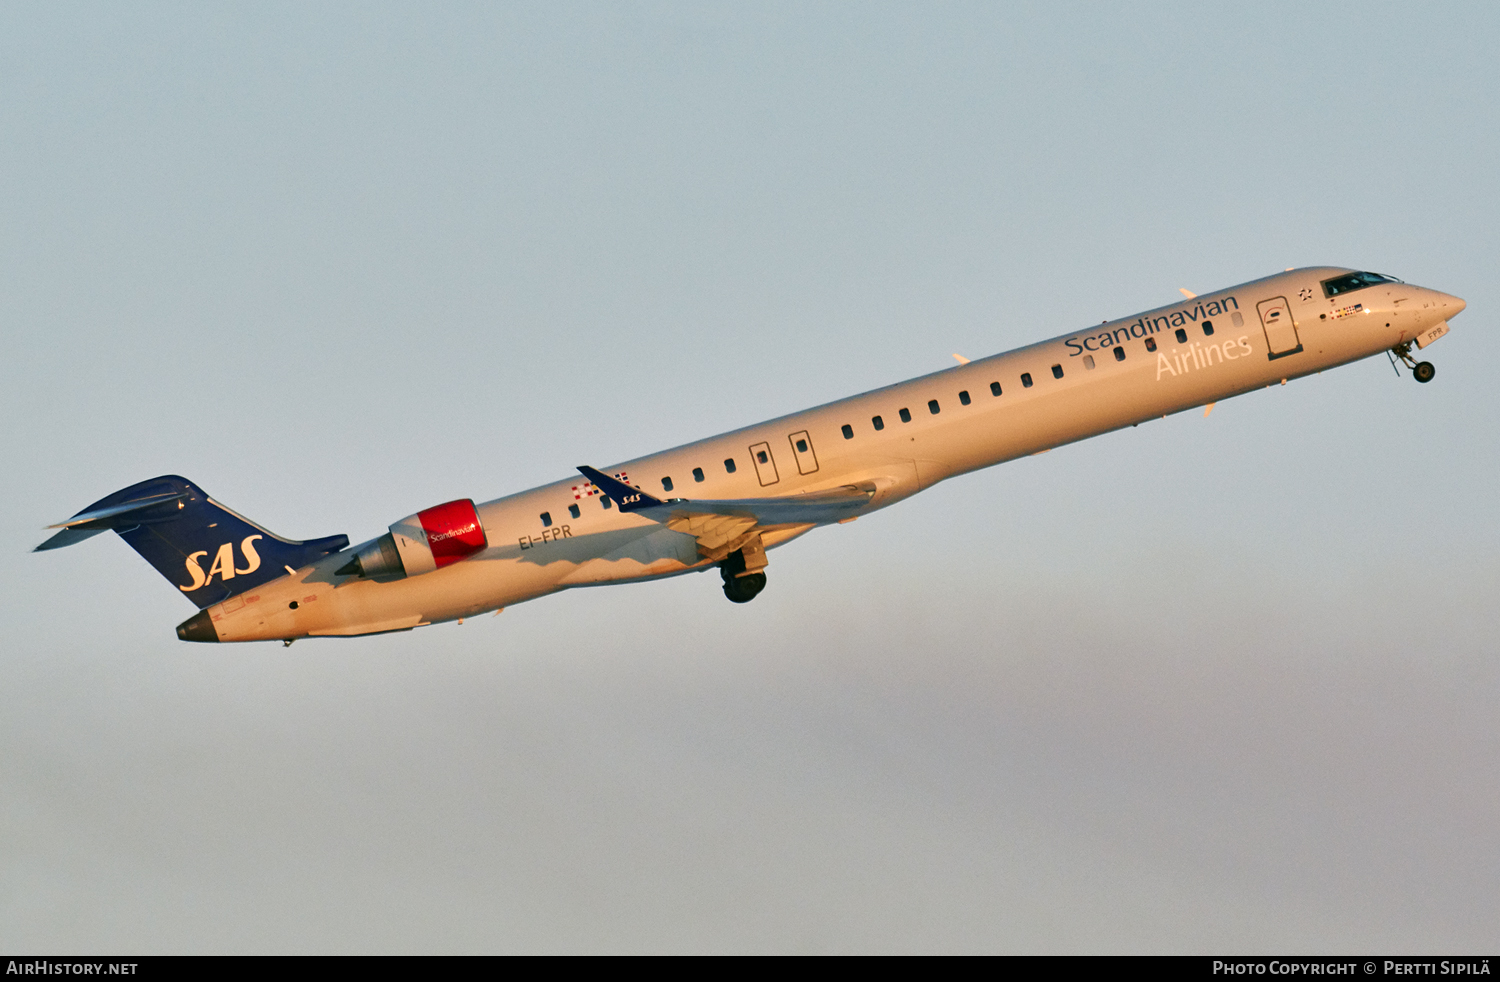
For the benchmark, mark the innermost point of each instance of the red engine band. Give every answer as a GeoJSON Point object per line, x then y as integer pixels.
{"type": "Point", "coordinates": [453, 531]}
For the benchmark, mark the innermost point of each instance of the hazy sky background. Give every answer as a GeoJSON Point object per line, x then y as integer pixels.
{"type": "Point", "coordinates": [1208, 685]}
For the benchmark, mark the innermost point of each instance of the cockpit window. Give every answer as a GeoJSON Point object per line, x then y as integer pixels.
{"type": "Point", "coordinates": [1354, 281]}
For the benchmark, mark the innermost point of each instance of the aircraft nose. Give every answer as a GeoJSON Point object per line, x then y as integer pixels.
{"type": "Point", "coordinates": [1450, 305]}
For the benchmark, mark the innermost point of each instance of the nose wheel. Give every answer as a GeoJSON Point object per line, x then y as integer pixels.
{"type": "Point", "coordinates": [1422, 371]}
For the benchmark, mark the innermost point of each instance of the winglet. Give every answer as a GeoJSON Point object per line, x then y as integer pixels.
{"type": "Point", "coordinates": [622, 494]}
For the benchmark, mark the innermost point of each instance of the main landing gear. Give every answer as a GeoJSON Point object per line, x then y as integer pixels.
{"type": "Point", "coordinates": [739, 586]}
{"type": "Point", "coordinates": [1422, 371]}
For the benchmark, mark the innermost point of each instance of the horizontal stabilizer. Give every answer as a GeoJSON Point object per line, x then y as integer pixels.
{"type": "Point", "coordinates": [66, 538]}
{"type": "Point", "coordinates": [106, 518]}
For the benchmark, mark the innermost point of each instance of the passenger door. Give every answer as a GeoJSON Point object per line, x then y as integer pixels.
{"type": "Point", "coordinates": [1281, 330]}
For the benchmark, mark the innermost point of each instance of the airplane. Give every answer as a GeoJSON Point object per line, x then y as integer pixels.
{"type": "Point", "coordinates": [724, 502]}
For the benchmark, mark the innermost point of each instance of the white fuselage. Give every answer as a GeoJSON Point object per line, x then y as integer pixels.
{"type": "Point", "coordinates": [933, 427]}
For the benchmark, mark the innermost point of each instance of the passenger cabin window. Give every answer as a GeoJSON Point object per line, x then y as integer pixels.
{"type": "Point", "coordinates": [933, 407]}
{"type": "Point", "coordinates": [1150, 344]}
{"type": "Point", "coordinates": [848, 431]}
{"type": "Point", "coordinates": [546, 519]}
{"type": "Point", "coordinates": [666, 484]}
{"type": "Point", "coordinates": [1208, 329]}
{"type": "Point", "coordinates": [1181, 335]}
{"type": "Point", "coordinates": [1026, 379]}
{"type": "Point", "coordinates": [963, 397]}
{"type": "Point", "coordinates": [1354, 281]}
{"type": "Point", "coordinates": [1088, 361]}
{"type": "Point", "coordinates": [877, 422]}
{"type": "Point", "coordinates": [1239, 320]}
{"type": "Point", "coordinates": [729, 465]}
{"type": "Point", "coordinates": [573, 510]}
{"type": "Point", "coordinates": [905, 415]}
{"type": "Point", "coordinates": [606, 503]}
{"type": "Point", "coordinates": [994, 388]}
{"type": "Point", "coordinates": [1119, 354]}
{"type": "Point", "coordinates": [698, 474]}
{"type": "Point", "coordinates": [1057, 371]}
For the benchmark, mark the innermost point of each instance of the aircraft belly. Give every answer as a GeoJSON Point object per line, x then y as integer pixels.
{"type": "Point", "coordinates": [611, 557]}
{"type": "Point", "coordinates": [895, 478]}
{"type": "Point", "coordinates": [327, 605]}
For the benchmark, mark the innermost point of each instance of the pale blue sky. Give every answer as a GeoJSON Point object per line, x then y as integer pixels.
{"type": "Point", "coordinates": [1205, 685]}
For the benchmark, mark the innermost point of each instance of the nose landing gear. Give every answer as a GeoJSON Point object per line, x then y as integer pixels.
{"type": "Point", "coordinates": [739, 586]}
{"type": "Point", "coordinates": [1422, 371]}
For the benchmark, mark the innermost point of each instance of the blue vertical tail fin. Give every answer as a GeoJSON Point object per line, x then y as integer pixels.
{"type": "Point", "coordinates": [207, 551]}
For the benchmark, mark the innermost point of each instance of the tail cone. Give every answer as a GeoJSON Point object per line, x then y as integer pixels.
{"type": "Point", "coordinates": [199, 627]}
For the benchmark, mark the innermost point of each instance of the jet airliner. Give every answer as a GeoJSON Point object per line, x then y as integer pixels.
{"type": "Point", "coordinates": [724, 502]}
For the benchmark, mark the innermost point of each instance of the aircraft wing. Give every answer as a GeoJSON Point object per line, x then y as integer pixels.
{"type": "Point", "coordinates": [814, 508]}
{"type": "Point", "coordinates": [817, 508]}
{"type": "Point", "coordinates": [725, 525]}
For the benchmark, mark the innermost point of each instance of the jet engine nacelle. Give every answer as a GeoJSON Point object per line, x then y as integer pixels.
{"type": "Point", "coordinates": [431, 539]}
